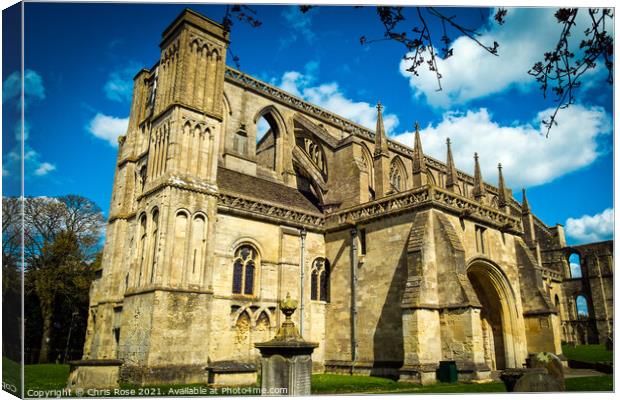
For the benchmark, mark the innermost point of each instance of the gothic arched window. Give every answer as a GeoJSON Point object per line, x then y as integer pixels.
{"type": "Point", "coordinates": [397, 175]}
{"type": "Point", "coordinates": [244, 270]}
{"type": "Point", "coordinates": [319, 282]}
{"type": "Point", "coordinates": [395, 178]}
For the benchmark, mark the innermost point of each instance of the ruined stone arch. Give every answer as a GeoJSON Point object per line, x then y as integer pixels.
{"type": "Point", "coordinates": [269, 150]}
{"type": "Point", "coordinates": [496, 294]}
{"type": "Point", "coordinates": [398, 175]}
{"type": "Point", "coordinates": [575, 258]}
{"type": "Point", "coordinates": [586, 302]}
{"type": "Point", "coordinates": [271, 109]}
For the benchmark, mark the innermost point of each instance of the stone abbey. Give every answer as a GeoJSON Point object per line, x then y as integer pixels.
{"type": "Point", "coordinates": [404, 260]}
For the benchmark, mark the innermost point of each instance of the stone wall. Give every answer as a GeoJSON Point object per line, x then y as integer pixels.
{"type": "Point", "coordinates": [424, 274]}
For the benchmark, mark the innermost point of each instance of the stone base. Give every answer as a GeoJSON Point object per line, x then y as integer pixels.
{"type": "Point", "coordinates": [472, 372]}
{"type": "Point", "coordinates": [424, 374]}
{"type": "Point", "coordinates": [161, 375]}
{"type": "Point", "coordinates": [94, 374]}
{"type": "Point", "coordinates": [362, 368]}
{"type": "Point", "coordinates": [234, 379]}
{"type": "Point", "coordinates": [232, 373]}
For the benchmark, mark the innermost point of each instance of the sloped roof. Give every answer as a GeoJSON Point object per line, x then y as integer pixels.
{"type": "Point", "coordinates": [234, 182]}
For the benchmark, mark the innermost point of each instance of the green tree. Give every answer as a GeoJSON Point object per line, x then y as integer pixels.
{"type": "Point", "coordinates": [11, 278]}
{"type": "Point", "coordinates": [62, 236]}
{"type": "Point", "coordinates": [58, 275]}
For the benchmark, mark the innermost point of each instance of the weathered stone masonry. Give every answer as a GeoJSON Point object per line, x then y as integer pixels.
{"type": "Point", "coordinates": [407, 260]}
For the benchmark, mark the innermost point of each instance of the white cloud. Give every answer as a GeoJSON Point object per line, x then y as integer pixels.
{"type": "Point", "coordinates": [527, 156]}
{"type": "Point", "coordinates": [575, 270]}
{"type": "Point", "coordinates": [330, 97]}
{"type": "Point", "coordinates": [119, 85]}
{"type": "Point", "coordinates": [34, 90]}
{"type": "Point", "coordinates": [591, 228]}
{"type": "Point", "coordinates": [44, 169]}
{"type": "Point", "coordinates": [33, 165]}
{"type": "Point", "coordinates": [108, 128]}
{"type": "Point", "coordinates": [473, 73]}
{"type": "Point", "coordinates": [300, 24]}
{"type": "Point", "coordinates": [33, 87]}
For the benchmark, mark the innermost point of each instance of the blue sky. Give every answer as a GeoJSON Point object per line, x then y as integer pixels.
{"type": "Point", "coordinates": [80, 60]}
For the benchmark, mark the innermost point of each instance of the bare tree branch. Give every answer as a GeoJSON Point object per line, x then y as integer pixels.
{"type": "Point", "coordinates": [561, 71]}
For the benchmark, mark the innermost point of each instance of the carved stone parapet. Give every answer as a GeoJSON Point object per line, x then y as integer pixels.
{"type": "Point", "coordinates": [265, 210]}
{"type": "Point", "coordinates": [428, 195]}
{"type": "Point", "coordinates": [387, 205]}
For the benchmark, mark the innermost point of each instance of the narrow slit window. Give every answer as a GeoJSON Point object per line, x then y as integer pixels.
{"type": "Point", "coordinates": [363, 241]}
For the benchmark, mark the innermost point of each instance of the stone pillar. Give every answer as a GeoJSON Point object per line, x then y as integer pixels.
{"type": "Point", "coordinates": [422, 345]}
{"type": "Point", "coordinates": [286, 363]}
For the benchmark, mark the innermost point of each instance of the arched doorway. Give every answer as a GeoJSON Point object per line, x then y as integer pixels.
{"type": "Point", "coordinates": [498, 315]}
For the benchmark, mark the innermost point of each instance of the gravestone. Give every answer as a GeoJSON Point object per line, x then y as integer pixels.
{"type": "Point", "coordinates": [510, 376]}
{"type": "Point", "coordinates": [286, 363]}
{"type": "Point", "coordinates": [537, 382]}
{"type": "Point", "coordinates": [550, 362]}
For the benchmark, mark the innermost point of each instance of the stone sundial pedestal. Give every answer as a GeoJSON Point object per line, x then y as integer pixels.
{"type": "Point", "coordinates": [286, 360]}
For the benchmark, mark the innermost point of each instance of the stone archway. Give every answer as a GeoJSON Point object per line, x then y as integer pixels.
{"type": "Point", "coordinates": [498, 315]}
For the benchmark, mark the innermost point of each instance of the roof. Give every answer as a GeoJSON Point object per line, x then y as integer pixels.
{"type": "Point", "coordinates": [230, 181]}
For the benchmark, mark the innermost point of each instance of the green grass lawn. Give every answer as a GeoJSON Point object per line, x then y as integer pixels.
{"type": "Point", "coordinates": [54, 376]}
{"type": "Point", "coordinates": [332, 383]}
{"type": "Point", "coordinates": [588, 353]}
{"type": "Point", "coordinates": [46, 376]}
{"type": "Point", "coordinates": [11, 375]}
{"type": "Point", "coordinates": [604, 383]}
{"type": "Point", "coordinates": [329, 383]}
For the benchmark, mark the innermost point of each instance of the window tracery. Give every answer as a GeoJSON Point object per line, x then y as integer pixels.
{"type": "Point", "coordinates": [319, 283]}
{"type": "Point", "coordinates": [315, 153]}
{"type": "Point", "coordinates": [244, 270]}
{"type": "Point", "coordinates": [397, 175]}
